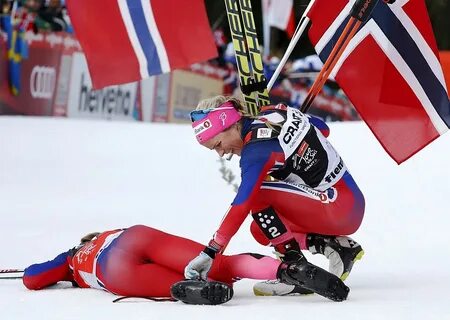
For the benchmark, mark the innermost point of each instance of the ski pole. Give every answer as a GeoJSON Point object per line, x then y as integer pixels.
{"type": "Point", "coordinates": [304, 21]}
{"type": "Point", "coordinates": [359, 13]}
{"type": "Point", "coordinates": [348, 33]}
{"type": "Point", "coordinates": [11, 274]}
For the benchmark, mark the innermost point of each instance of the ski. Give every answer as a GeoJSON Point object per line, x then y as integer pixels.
{"type": "Point", "coordinates": [248, 58]}
{"type": "Point", "coordinates": [256, 61]}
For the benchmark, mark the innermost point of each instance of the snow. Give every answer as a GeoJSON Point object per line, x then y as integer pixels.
{"type": "Point", "coordinates": [62, 178]}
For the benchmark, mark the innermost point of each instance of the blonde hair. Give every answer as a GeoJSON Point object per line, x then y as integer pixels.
{"type": "Point", "coordinates": [89, 237]}
{"type": "Point", "coordinates": [214, 102]}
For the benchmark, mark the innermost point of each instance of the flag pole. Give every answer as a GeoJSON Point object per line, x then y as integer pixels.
{"type": "Point", "coordinates": [348, 33]}
{"type": "Point", "coordinates": [359, 13]}
{"type": "Point", "coordinates": [14, 7]}
{"type": "Point", "coordinates": [304, 21]}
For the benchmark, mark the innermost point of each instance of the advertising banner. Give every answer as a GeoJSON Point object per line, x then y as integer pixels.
{"type": "Point", "coordinates": [187, 89]}
{"type": "Point", "coordinates": [147, 98]}
{"type": "Point", "coordinates": [112, 103]}
{"type": "Point", "coordinates": [37, 74]}
{"type": "Point", "coordinates": [160, 112]}
{"type": "Point", "coordinates": [70, 46]}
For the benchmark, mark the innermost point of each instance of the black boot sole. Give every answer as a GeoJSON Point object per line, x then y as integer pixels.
{"type": "Point", "coordinates": [201, 292]}
{"type": "Point", "coordinates": [316, 279]}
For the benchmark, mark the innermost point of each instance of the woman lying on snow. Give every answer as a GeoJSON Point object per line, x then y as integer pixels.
{"type": "Point", "coordinates": [141, 261]}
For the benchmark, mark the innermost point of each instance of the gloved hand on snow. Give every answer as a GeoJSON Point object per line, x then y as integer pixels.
{"type": "Point", "coordinates": [198, 268]}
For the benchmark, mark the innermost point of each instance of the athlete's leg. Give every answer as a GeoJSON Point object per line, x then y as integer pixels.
{"type": "Point", "coordinates": [153, 245]}
{"type": "Point", "coordinates": [175, 252]}
{"type": "Point", "coordinates": [261, 238]}
{"type": "Point", "coordinates": [126, 274]}
{"type": "Point", "coordinates": [316, 219]}
{"type": "Point", "coordinates": [338, 211]}
{"type": "Point", "coordinates": [247, 265]}
{"type": "Point", "coordinates": [146, 261]}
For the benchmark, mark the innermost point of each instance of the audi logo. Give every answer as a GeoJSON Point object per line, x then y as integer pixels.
{"type": "Point", "coordinates": [42, 82]}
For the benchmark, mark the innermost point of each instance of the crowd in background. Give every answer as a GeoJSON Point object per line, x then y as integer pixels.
{"type": "Point", "coordinates": [34, 15]}
{"type": "Point", "coordinates": [291, 85]}
{"type": "Point", "coordinates": [19, 17]}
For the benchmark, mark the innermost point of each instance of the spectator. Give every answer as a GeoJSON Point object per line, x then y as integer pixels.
{"type": "Point", "coordinates": [5, 19]}
{"type": "Point", "coordinates": [24, 18]}
{"type": "Point", "coordinates": [221, 44]}
{"type": "Point", "coordinates": [5, 6]}
{"type": "Point", "coordinates": [50, 17]}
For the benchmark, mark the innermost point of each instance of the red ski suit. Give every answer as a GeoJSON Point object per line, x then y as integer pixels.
{"type": "Point", "coordinates": [140, 261]}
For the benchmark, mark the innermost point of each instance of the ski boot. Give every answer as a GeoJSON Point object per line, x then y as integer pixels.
{"type": "Point", "coordinates": [201, 292]}
{"type": "Point", "coordinates": [278, 288]}
{"type": "Point", "coordinates": [342, 252]}
{"type": "Point", "coordinates": [296, 270]}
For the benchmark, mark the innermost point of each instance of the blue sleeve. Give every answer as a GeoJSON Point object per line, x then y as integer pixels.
{"type": "Point", "coordinates": [41, 275]}
{"type": "Point", "coordinates": [254, 158]}
{"type": "Point", "coordinates": [319, 124]}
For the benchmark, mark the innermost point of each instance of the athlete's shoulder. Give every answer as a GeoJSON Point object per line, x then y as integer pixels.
{"type": "Point", "coordinates": [319, 124]}
{"type": "Point", "coordinates": [274, 107]}
{"type": "Point", "coordinates": [266, 126]}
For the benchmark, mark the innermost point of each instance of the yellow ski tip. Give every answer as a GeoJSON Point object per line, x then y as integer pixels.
{"type": "Point", "coordinates": [359, 256]}
{"type": "Point", "coordinates": [261, 294]}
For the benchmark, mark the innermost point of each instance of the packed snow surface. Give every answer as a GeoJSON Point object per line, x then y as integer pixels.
{"type": "Point", "coordinates": [61, 178]}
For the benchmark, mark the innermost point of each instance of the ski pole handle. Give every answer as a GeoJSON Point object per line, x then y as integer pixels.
{"type": "Point", "coordinates": [362, 9]}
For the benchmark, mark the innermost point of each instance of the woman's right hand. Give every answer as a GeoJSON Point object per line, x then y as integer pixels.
{"type": "Point", "coordinates": [198, 268]}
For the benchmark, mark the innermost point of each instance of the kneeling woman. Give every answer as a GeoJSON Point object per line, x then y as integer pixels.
{"type": "Point", "coordinates": [141, 262]}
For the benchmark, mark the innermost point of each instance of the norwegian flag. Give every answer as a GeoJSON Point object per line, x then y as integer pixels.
{"type": "Point", "coordinates": [390, 71]}
{"type": "Point", "coordinates": [129, 40]}
{"type": "Point", "coordinates": [280, 14]}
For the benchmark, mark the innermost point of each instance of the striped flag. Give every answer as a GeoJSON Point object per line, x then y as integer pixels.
{"type": "Point", "coordinates": [129, 40]}
{"type": "Point", "coordinates": [281, 15]}
{"type": "Point", "coordinates": [390, 71]}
